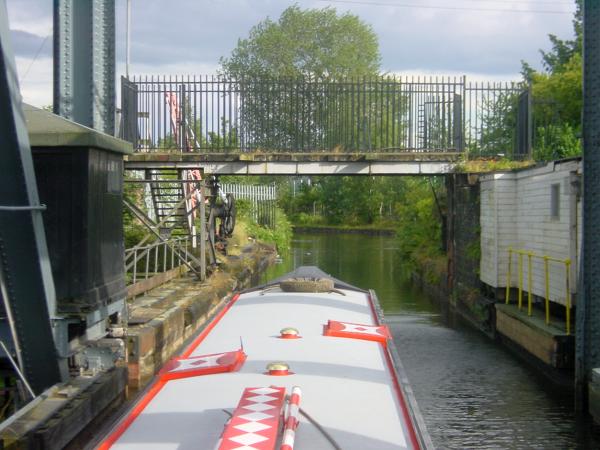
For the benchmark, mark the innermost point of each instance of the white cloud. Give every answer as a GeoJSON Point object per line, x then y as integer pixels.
{"type": "Point", "coordinates": [36, 87]}
{"type": "Point", "coordinates": [189, 36]}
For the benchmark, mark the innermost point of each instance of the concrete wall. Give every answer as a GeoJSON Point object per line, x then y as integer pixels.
{"type": "Point", "coordinates": [516, 212]}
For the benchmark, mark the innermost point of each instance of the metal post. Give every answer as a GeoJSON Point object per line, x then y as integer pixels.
{"type": "Point", "coordinates": [84, 62]}
{"type": "Point", "coordinates": [588, 305]}
{"type": "Point", "coordinates": [202, 233]}
{"type": "Point", "coordinates": [128, 40]}
{"type": "Point", "coordinates": [520, 269]}
{"type": "Point", "coordinates": [26, 283]}
{"type": "Point", "coordinates": [134, 265]}
{"type": "Point", "coordinates": [529, 283]}
{"type": "Point", "coordinates": [547, 288]}
{"type": "Point", "coordinates": [568, 294]}
{"type": "Point", "coordinates": [508, 276]}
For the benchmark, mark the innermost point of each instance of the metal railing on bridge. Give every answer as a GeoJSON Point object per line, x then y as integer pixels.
{"type": "Point", "coordinates": [382, 114]}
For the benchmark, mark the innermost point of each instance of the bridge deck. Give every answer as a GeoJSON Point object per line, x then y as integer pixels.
{"type": "Point", "coordinates": [321, 163]}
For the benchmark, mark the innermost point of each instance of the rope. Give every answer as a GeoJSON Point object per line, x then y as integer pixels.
{"type": "Point", "coordinates": [321, 429]}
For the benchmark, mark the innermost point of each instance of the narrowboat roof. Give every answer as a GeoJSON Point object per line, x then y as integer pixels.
{"type": "Point", "coordinates": [351, 393]}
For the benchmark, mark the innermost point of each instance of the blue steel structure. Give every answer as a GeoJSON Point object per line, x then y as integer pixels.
{"type": "Point", "coordinates": [26, 283]}
{"type": "Point", "coordinates": [588, 307]}
{"type": "Point", "coordinates": [84, 62]}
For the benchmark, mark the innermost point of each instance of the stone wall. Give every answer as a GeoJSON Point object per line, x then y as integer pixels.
{"type": "Point", "coordinates": [463, 223]}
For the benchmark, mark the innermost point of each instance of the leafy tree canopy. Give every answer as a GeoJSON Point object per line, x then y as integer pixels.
{"type": "Point", "coordinates": [557, 59]}
{"type": "Point", "coordinates": [558, 95]}
{"type": "Point", "coordinates": [310, 43]}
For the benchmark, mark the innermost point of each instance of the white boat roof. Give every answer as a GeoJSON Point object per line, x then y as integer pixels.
{"type": "Point", "coordinates": [348, 385]}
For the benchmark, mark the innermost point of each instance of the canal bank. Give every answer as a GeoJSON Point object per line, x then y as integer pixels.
{"type": "Point", "coordinates": [324, 229]}
{"type": "Point", "coordinates": [472, 392]}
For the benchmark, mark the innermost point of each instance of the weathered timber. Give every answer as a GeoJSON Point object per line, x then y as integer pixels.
{"type": "Point", "coordinates": [64, 411]}
{"type": "Point", "coordinates": [548, 343]}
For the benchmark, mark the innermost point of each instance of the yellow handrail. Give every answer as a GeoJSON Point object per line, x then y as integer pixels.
{"type": "Point", "coordinates": [547, 259]}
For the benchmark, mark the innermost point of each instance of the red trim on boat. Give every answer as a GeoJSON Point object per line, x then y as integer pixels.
{"type": "Point", "coordinates": [158, 384]}
{"type": "Point", "coordinates": [133, 414]}
{"type": "Point", "coordinates": [196, 342]}
{"type": "Point", "coordinates": [405, 414]}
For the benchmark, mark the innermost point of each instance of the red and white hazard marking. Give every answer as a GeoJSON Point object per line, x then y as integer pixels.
{"type": "Point", "coordinates": [379, 333]}
{"type": "Point", "coordinates": [255, 421]}
{"type": "Point", "coordinates": [292, 420]}
{"type": "Point", "coordinates": [202, 365]}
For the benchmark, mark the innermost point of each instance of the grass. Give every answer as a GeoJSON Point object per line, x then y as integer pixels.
{"type": "Point", "coordinates": [491, 165]}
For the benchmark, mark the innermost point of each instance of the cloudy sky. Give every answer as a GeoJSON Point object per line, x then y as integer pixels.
{"type": "Point", "coordinates": [483, 39]}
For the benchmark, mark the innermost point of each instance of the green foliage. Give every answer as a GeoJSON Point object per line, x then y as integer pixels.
{"type": "Point", "coordinates": [419, 224]}
{"type": "Point", "coordinates": [306, 43]}
{"type": "Point", "coordinates": [557, 142]}
{"type": "Point", "coordinates": [564, 50]}
{"type": "Point", "coordinates": [499, 126]}
{"type": "Point", "coordinates": [484, 165]}
{"type": "Point", "coordinates": [349, 201]}
{"type": "Point", "coordinates": [281, 235]}
{"type": "Point", "coordinates": [305, 56]}
{"type": "Point", "coordinates": [133, 229]}
{"type": "Point", "coordinates": [558, 95]}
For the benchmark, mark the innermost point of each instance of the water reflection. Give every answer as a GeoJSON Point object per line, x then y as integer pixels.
{"type": "Point", "coordinates": [472, 393]}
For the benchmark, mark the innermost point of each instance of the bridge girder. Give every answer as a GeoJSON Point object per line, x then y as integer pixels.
{"type": "Point", "coordinates": [84, 62]}
{"type": "Point", "coordinates": [588, 305]}
{"type": "Point", "coordinates": [26, 283]}
{"type": "Point", "coordinates": [302, 168]}
{"type": "Point", "coordinates": [317, 163]}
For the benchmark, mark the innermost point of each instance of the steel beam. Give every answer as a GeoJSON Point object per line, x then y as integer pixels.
{"type": "Point", "coordinates": [26, 284]}
{"type": "Point", "coordinates": [301, 168]}
{"type": "Point", "coordinates": [84, 62]}
{"type": "Point", "coordinates": [588, 303]}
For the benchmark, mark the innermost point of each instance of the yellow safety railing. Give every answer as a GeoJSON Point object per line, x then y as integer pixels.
{"type": "Point", "coordinates": [547, 259]}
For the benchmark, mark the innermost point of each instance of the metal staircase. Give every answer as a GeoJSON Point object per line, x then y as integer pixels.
{"type": "Point", "coordinates": [166, 197]}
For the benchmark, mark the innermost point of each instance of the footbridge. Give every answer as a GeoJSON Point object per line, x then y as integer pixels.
{"type": "Point", "coordinates": [368, 126]}
{"type": "Point", "coordinates": [321, 163]}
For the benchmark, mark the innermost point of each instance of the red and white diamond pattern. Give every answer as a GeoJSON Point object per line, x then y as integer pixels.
{"type": "Point", "coordinates": [366, 329]}
{"type": "Point", "coordinates": [255, 421]}
{"type": "Point", "coordinates": [203, 362]}
{"type": "Point", "coordinates": [202, 365]}
{"type": "Point", "coordinates": [378, 333]}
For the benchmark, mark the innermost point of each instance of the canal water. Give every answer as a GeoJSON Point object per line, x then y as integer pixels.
{"type": "Point", "coordinates": [473, 394]}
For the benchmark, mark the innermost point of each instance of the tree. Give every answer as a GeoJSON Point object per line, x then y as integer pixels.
{"type": "Point", "coordinates": [312, 43]}
{"type": "Point", "coordinates": [290, 76]}
{"type": "Point", "coordinates": [558, 95]}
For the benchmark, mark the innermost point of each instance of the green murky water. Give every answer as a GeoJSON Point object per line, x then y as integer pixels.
{"type": "Point", "coordinates": [473, 393]}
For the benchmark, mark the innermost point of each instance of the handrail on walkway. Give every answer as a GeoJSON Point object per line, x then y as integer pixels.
{"type": "Point", "coordinates": [160, 261]}
{"type": "Point", "coordinates": [547, 260]}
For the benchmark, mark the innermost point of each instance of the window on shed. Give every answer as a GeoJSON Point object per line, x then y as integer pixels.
{"type": "Point", "coordinates": [555, 201]}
